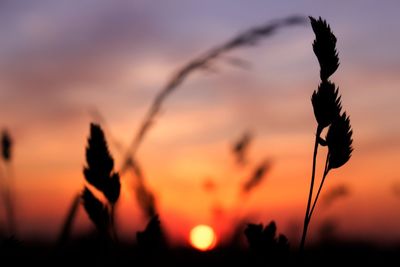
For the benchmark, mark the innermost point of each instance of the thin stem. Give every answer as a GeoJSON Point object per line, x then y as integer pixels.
{"type": "Point", "coordinates": [69, 220]}
{"type": "Point", "coordinates": [306, 217]}
{"type": "Point", "coordinates": [320, 187]}
{"type": "Point", "coordinates": [9, 198]}
{"type": "Point", "coordinates": [113, 229]}
{"type": "Point", "coordinates": [8, 203]}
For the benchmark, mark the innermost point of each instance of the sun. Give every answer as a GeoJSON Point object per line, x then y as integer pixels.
{"type": "Point", "coordinates": [202, 237]}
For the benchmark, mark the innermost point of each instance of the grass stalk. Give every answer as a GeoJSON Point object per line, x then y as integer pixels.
{"type": "Point", "coordinates": [69, 220]}
{"type": "Point", "coordinates": [112, 223]}
{"type": "Point", "coordinates": [306, 217]}
{"type": "Point", "coordinates": [326, 170]}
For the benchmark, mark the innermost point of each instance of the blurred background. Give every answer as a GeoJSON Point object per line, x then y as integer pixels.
{"type": "Point", "coordinates": [64, 64]}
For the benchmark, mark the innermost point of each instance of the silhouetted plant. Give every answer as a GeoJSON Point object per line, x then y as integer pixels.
{"type": "Point", "coordinates": [99, 169]}
{"type": "Point", "coordinates": [257, 176]}
{"type": "Point", "coordinates": [146, 200]}
{"type": "Point", "coordinates": [8, 183]}
{"type": "Point", "coordinates": [254, 179]}
{"type": "Point", "coordinates": [99, 173]}
{"type": "Point", "coordinates": [97, 211]}
{"type": "Point", "coordinates": [144, 196]}
{"type": "Point", "coordinates": [66, 228]}
{"type": "Point", "coordinates": [6, 144]}
{"type": "Point", "coordinates": [10, 251]}
{"type": "Point", "coordinates": [245, 39]}
{"type": "Point", "coordinates": [240, 148]}
{"type": "Point", "coordinates": [326, 103]}
{"type": "Point", "coordinates": [250, 37]}
{"type": "Point", "coordinates": [327, 229]}
{"type": "Point", "coordinates": [324, 48]}
{"type": "Point", "coordinates": [339, 141]}
{"type": "Point", "coordinates": [265, 243]}
{"type": "Point", "coordinates": [152, 239]}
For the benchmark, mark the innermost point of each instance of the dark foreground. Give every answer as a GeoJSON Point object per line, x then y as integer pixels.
{"type": "Point", "coordinates": [92, 252]}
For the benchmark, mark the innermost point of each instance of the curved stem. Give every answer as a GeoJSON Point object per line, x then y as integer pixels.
{"type": "Point", "coordinates": [320, 187]}
{"type": "Point", "coordinates": [306, 217]}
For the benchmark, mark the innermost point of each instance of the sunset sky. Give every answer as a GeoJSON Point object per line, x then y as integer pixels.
{"type": "Point", "coordinates": [59, 60]}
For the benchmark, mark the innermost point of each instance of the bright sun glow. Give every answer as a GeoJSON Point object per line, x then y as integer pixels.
{"type": "Point", "coordinates": [202, 237]}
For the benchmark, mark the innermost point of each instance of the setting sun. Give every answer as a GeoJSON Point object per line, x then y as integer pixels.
{"type": "Point", "coordinates": [202, 237]}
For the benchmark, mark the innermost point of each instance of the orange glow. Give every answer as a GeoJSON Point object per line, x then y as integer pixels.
{"type": "Point", "coordinates": [202, 237]}
{"type": "Point", "coordinates": [52, 78]}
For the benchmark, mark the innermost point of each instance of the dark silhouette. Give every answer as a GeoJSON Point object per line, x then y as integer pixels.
{"type": "Point", "coordinates": [6, 144]}
{"type": "Point", "coordinates": [247, 38]}
{"type": "Point", "coordinates": [99, 173]}
{"type": "Point", "coordinates": [326, 103]}
{"type": "Point", "coordinates": [101, 192]}
{"type": "Point", "coordinates": [256, 178]}
{"type": "Point", "coordinates": [145, 197]}
{"type": "Point", "coordinates": [152, 238]}
{"type": "Point", "coordinates": [99, 169]}
{"type": "Point", "coordinates": [69, 220]}
{"type": "Point", "coordinates": [97, 211]}
{"type": "Point", "coordinates": [10, 251]}
{"type": "Point", "coordinates": [265, 245]}
{"type": "Point", "coordinates": [250, 37]}
{"type": "Point", "coordinates": [7, 193]}
{"type": "Point", "coordinates": [98, 118]}
{"type": "Point", "coordinates": [240, 148]}
{"type": "Point", "coordinates": [265, 238]}
{"type": "Point", "coordinates": [339, 141]}
{"type": "Point", "coordinates": [327, 229]}
{"type": "Point", "coordinates": [324, 47]}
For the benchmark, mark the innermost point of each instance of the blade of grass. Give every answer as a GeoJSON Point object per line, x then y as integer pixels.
{"type": "Point", "coordinates": [244, 39]}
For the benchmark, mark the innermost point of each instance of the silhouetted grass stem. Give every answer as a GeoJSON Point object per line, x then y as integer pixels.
{"type": "Point", "coordinates": [326, 170]}
{"type": "Point", "coordinates": [8, 193]}
{"type": "Point", "coordinates": [112, 223]}
{"type": "Point", "coordinates": [306, 217]}
{"type": "Point", "coordinates": [69, 220]}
